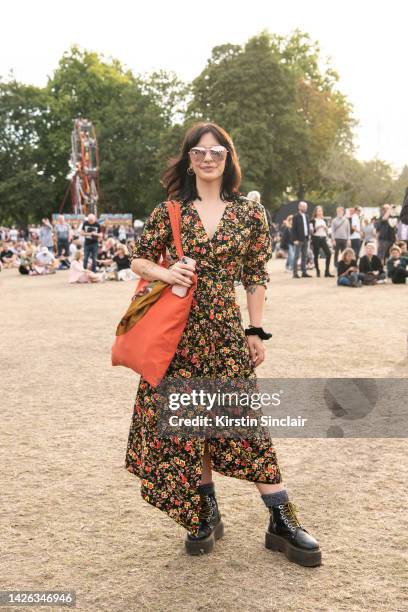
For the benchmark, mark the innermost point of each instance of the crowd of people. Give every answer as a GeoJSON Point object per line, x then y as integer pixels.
{"type": "Point", "coordinates": [91, 252]}
{"type": "Point", "coordinates": [364, 251]}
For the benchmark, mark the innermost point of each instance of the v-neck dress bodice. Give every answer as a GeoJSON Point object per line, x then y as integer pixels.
{"type": "Point", "coordinates": [213, 345]}
{"type": "Point", "coordinates": [239, 249]}
{"type": "Point", "coordinates": [219, 224]}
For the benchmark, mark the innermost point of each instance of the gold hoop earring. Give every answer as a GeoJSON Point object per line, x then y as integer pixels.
{"type": "Point", "coordinates": [190, 171]}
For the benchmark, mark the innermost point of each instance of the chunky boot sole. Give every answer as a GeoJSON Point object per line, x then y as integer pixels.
{"type": "Point", "coordinates": [301, 556]}
{"type": "Point", "coordinates": [206, 545]}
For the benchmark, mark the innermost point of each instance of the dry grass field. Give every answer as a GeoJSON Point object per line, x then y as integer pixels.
{"type": "Point", "coordinates": [72, 516]}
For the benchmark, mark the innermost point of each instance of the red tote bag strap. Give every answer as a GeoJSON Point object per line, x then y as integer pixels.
{"type": "Point", "coordinates": [175, 219]}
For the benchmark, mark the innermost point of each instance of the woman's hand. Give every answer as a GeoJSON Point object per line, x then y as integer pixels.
{"type": "Point", "coordinates": [180, 274]}
{"type": "Point", "coordinates": [256, 350]}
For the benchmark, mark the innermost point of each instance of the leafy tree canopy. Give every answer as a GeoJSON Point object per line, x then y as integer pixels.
{"type": "Point", "coordinates": [279, 100]}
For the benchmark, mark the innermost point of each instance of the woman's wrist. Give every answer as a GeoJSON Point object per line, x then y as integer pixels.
{"type": "Point", "coordinates": [149, 270]}
{"type": "Point", "coordinates": [166, 273]}
{"type": "Point", "coordinates": [257, 331]}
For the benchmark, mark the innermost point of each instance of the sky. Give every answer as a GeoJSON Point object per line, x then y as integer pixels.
{"type": "Point", "coordinates": [364, 40]}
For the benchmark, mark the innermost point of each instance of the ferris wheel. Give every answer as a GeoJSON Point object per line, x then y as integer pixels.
{"type": "Point", "coordinates": [84, 165]}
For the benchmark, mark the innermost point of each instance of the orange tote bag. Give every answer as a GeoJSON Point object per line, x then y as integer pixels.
{"type": "Point", "coordinates": [149, 346]}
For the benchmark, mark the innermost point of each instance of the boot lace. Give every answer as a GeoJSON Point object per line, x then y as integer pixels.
{"type": "Point", "coordinates": [290, 519]}
{"type": "Point", "coordinates": [208, 508]}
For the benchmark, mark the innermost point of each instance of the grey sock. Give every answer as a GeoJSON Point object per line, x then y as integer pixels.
{"type": "Point", "coordinates": [206, 489]}
{"type": "Point", "coordinates": [275, 499]}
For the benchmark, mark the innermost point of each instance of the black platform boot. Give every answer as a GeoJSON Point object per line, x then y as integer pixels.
{"type": "Point", "coordinates": [287, 535]}
{"type": "Point", "coordinates": [211, 526]}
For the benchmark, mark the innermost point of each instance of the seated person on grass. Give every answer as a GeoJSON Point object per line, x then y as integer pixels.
{"type": "Point", "coordinates": [397, 266]}
{"type": "Point", "coordinates": [347, 270]}
{"type": "Point", "coordinates": [370, 266]}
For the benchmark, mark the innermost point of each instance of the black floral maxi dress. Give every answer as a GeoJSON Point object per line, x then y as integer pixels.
{"type": "Point", "coordinates": [213, 345]}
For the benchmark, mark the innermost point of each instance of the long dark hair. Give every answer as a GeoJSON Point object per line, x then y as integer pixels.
{"type": "Point", "coordinates": [314, 216]}
{"type": "Point", "coordinates": [181, 185]}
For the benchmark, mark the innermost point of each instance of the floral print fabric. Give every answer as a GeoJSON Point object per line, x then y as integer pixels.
{"type": "Point", "coordinates": [213, 345]}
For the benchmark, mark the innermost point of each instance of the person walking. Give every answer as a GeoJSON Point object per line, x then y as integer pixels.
{"type": "Point", "coordinates": [91, 230]}
{"type": "Point", "coordinates": [222, 231]}
{"type": "Point", "coordinates": [318, 227]}
{"type": "Point", "coordinates": [340, 233]}
{"type": "Point", "coordinates": [300, 237]}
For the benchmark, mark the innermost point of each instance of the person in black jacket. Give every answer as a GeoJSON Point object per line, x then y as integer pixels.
{"type": "Point", "coordinates": [404, 209]}
{"type": "Point", "coordinates": [286, 242]}
{"type": "Point", "coordinates": [385, 232]}
{"type": "Point", "coordinates": [370, 266]}
{"type": "Point", "coordinates": [300, 237]}
{"type": "Point", "coordinates": [396, 266]}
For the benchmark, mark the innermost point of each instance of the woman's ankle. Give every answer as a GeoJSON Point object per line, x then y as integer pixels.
{"type": "Point", "coordinates": [206, 488]}
{"type": "Point", "coordinates": [267, 489]}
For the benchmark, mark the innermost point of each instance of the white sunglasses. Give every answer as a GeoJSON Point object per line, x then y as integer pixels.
{"type": "Point", "coordinates": [218, 153]}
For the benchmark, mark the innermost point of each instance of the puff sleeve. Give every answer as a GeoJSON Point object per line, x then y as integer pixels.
{"type": "Point", "coordinates": [155, 235]}
{"type": "Point", "coordinates": [259, 252]}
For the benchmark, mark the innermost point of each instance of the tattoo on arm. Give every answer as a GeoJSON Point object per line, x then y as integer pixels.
{"type": "Point", "coordinates": [146, 266]}
{"type": "Point", "coordinates": [252, 288]}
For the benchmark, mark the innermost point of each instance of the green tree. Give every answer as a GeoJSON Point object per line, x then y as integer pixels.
{"type": "Point", "coordinates": [340, 174]}
{"type": "Point", "coordinates": [400, 186]}
{"type": "Point", "coordinates": [291, 125]}
{"type": "Point", "coordinates": [24, 189]}
{"type": "Point", "coordinates": [128, 123]}
{"type": "Point", "coordinates": [349, 181]}
{"type": "Point", "coordinates": [133, 117]}
{"type": "Point", "coordinates": [283, 112]}
{"type": "Point", "coordinates": [130, 137]}
{"type": "Point", "coordinates": [170, 93]}
{"type": "Point", "coordinates": [249, 92]}
{"type": "Point", "coordinates": [376, 185]}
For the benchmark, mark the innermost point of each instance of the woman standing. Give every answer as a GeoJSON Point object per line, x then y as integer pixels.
{"type": "Point", "coordinates": [318, 229]}
{"type": "Point", "coordinates": [221, 230]}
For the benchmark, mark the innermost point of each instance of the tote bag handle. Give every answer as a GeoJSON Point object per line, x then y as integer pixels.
{"type": "Point", "coordinates": [175, 219]}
